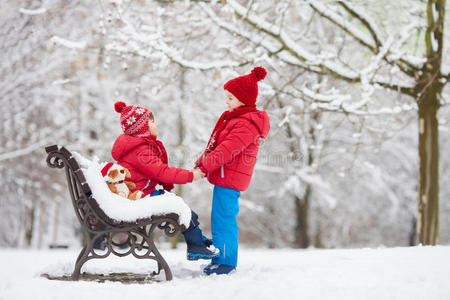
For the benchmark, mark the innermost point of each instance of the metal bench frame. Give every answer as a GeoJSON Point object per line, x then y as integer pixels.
{"type": "Point", "coordinates": [97, 226]}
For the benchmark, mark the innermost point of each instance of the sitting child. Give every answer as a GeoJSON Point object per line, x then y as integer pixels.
{"type": "Point", "coordinates": [145, 157]}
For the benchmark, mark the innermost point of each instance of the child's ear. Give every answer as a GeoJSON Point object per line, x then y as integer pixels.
{"type": "Point", "coordinates": [128, 174]}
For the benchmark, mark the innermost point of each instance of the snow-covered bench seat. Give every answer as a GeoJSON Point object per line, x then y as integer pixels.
{"type": "Point", "coordinates": [104, 215]}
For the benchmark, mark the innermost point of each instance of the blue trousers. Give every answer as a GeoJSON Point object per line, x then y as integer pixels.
{"type": "Point", "coordinates": [224, 227]}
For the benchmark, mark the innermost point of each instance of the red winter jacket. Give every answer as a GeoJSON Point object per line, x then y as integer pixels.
{"type": "Point", "coordinates": [231, 163]}
{"type": "Point", "coordinates": [145, 161]}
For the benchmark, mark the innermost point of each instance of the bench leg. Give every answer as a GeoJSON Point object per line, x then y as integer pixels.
{"type": "Point", "coordinates": [80, 255]}
{"type": "Point", "coordinates": [162, 264]}
{"type": "Point", "coordinates": [78, 265]}
{"type": "Point", "coordinates": [82, 258]}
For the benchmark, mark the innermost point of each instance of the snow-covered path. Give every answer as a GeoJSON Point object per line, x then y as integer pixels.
{"type": "Point", "coordinates": [395, 273]}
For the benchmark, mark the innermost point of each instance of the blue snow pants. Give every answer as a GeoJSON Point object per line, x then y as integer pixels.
{"type": "Point", "coordinates": [224, 227]}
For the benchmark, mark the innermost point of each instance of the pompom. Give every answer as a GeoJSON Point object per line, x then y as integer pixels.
{"type": "Point", "coordinates": [259, 73]}
{"type": "Point", "coordinates": [119, 106]}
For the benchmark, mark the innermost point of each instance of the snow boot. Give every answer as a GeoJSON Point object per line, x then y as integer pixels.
{"type": "Point", "coordinates": [198, 246]}
{"type": "Point", "coordinates": [206, 241]}
{"type": "Point", "coordinates": [218, 269]}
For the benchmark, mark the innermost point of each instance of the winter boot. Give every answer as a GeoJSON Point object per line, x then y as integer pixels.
{"type": "Point", "coordinates": [218, 269]}
{"type": "Point", "coordinates": [207, 242]}
{"type": "Point", "coordinates": [197, 245]}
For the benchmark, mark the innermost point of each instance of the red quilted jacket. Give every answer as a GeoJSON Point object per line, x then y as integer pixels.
{"type": "Point", "coordinates": [231, 163]}
{"type": "Point", "coordinates": [147, 164]}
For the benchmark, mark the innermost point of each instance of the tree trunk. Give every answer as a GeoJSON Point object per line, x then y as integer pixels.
{"type": "Point", "coordinates": [56, 222]}
{"type": "Point", "coordinates": [428, 202]}
{"type": "Point", "coordinates": [302, 213]}
{"type": "Point", "coordinates": [28, 224]}
{"type": "Point", "coordinates": [303, 205]}
{"type": "Point", "coordinates": [428, 91]}
{"type": "Point", "coordinates": [42, 219]}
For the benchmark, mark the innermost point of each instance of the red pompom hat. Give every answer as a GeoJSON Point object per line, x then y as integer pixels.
{"type": "Point", "coordinates": [133, 119]}
{"type": "Point", "coordinates": [245, 87]}
{"type": "Point", "coordinates": [106, 168]}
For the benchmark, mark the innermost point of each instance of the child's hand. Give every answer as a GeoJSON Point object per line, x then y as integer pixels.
{"type": "Point", "coordinates": [198, 174]}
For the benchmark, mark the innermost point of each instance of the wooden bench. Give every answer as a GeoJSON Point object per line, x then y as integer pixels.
{"type": "Point", "coordinates": [98, 227]}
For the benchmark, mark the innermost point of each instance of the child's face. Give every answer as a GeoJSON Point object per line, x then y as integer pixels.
{"type": "Point", "coordinates": [153, 125]}
{"type": "Point", "coordinates": [232, 101]}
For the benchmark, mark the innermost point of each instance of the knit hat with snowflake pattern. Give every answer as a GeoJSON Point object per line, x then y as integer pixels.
{"type": "Point", "coordinates": [133, 119]}
{"type": "Point", "coordinates": [245, 87]}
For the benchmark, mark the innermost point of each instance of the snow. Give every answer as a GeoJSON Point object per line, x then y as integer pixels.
{"type": "Point", "coordinates": [33, 12]}
{"type": "Point", "coordinates": [301, 53]}
{"type": "Point", "coordinates": [325, 98]}
{"type": "Point", "coordinates": [69, 44]}
{"type": "Point", "coordinates": [331, 14]}
{"type": "Point", "coordinates": [156, 43]}
{"type": "Point", "coordinates": [24, 151]}
{"type": "Point", "coordinates": [272, 47]}
{"type": "Point", "coordinates": [123, 209]}
{"type": "Point", "coordinates": [60, 81]}
{"type": "Point", "coordinates": [393, 273]}
{"type": "Point", "coordinates": [286, 117]}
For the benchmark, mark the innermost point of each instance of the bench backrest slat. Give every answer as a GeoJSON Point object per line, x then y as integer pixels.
{"type": "Point", "coordinates": [74, 164]}
{"type": "Point", "coordinates": [80, 192]}
{"type": "Point", "coordinates": [51, 148]}
{"type": "Point", "coordinates": [66, 153]}
{"type": "Point", "coordinates": [86, 189]}
{"type": "Point", "coordinates": [80, 175]}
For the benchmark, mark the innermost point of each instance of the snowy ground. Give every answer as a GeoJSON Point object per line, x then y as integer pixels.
{"type": "Point", "coordinates": [396, 273]}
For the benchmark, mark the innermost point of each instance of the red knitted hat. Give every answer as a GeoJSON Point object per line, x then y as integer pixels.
{"type": "Point", "coordinates": [245, 87]}
{"type": "Point", "coordinates": [106, 168]}
{"type": "Point", "coordinates": [133, 119]}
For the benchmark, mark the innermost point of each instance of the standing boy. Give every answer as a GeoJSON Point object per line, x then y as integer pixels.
{"type": "Point", "coordinates": [228, 161]}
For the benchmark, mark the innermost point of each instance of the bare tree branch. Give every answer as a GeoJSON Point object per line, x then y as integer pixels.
{"type": "Point", "coordinates": [373, 45]}
{"type": "Point", "coordinates": [304, 56]}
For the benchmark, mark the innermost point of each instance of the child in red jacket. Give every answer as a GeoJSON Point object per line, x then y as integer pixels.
{"type": "Point", "coordinates": [145, 157]}
{"type": "Point", "coordinates": [228, 161]}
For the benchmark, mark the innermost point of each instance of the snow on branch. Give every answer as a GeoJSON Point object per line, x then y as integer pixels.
{"type": "Point", "coordinates": [270, 47]}
{"type": "Point", "coordinates": [334, 68]}
{"type": "Point", "coordinates": [69, 44]}
{"type": "Point", "coordinates": [332, 101]}
{"type": "Point", "coordinates": [339, 21]}
{"type": "Point", "coordinates": [156, 43]}
{"type": "Point", "coordinates": [365, 20]}
{"type": "Point", "coordinates": [394, 57]}
{"type": "Point", "coordinates": [33, 12]}
{"type": "Point", "coordinates": [303, 55]}
{"type": "Point", "coordinates": [177, 58]}
{"type": "Point", "coordinates": [354, 109]}
{"type": "Point", "coordinates": [325, 98]}
{"type": "Point", "coordinates": [26, 150]}
{"type": "Point", "coordinates": [36, 146]}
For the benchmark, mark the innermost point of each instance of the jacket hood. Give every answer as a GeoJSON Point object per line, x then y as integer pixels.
{"type": "Point", "coordinates": [124, 144]}
{"type": "Point", "coordinates": [261, 121]}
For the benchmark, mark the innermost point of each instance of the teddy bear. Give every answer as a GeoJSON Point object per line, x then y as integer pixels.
{"type": "Point", "coordinates": [115, 175]}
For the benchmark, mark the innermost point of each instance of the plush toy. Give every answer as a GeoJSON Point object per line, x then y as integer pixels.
{"type": "Point", "coordinates": [115, 175]}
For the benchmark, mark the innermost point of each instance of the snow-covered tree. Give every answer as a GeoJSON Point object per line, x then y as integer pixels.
{"type": "Point", "coordinates": [383, 58]}
{"type": "Point", "coordinates": [339, 167]}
